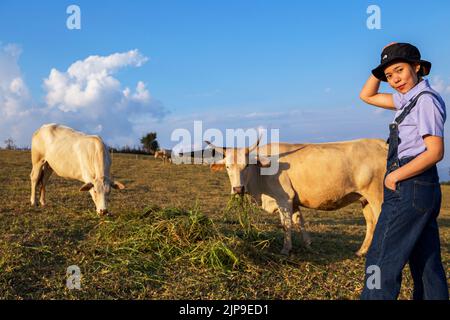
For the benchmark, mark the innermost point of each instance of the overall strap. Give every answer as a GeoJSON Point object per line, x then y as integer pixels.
{"type": "Point", "coordinates": [411, 105]}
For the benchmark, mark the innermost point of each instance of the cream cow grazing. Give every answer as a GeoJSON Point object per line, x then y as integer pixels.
{"type": "Point", "coordinates": [164, 154]}
{"type": "Point", "coordinates": [323, 176]}
{"type": "Point", "coordinates": [72, 155]}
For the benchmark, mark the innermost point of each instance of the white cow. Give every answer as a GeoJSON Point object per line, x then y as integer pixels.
{"type": "Point", "coordinates": [164, 154]}
{"type": "Point", "coordinates": [323, 176]}
{"type": "Point", "coordinates": [73, 155]}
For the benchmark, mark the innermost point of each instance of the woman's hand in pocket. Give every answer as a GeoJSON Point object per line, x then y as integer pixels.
{"type": "Point", "coordinates": [391, 181]}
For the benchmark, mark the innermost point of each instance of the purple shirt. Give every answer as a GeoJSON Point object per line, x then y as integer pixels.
{"type": "Point", "coordinates": [427, 117]}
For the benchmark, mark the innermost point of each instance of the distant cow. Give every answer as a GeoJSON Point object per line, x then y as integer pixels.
{"type": "Point", "coordinates": [164, 154]}
{"type": "Point", "coordinates": [73, 155]}
{"type": "Point", "coordinates": [324, 176]}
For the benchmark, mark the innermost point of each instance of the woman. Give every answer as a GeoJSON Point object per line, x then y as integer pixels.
{"type": "Point", "coordinates": [407, 230]}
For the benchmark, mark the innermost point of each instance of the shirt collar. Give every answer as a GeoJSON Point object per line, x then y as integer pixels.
{"type": "Point", "coordinates": [421, 86]}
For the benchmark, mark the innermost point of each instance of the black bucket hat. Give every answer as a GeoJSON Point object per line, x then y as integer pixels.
{"type": "Point", "coordinates": [400, 52]}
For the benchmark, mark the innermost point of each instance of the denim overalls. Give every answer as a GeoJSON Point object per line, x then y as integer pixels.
{"type": "Point", "coordinates": [407, 231]}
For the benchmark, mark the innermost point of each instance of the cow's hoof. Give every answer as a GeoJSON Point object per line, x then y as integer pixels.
{"type": "Point", "coordinates": [106, 214]}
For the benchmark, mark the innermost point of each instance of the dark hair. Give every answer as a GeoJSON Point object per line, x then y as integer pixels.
{"type": "Point", "coordinates": [421, 72]}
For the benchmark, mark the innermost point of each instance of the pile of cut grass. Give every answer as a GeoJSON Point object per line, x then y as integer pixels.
{"type": "Point", "coordinates": [144, 251]}
{"type": "Point", "coordinates": [244, 211]}
{"type": "Point", "coordinates": [150, 241]}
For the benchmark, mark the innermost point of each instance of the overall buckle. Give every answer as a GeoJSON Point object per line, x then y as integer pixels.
{"type": "Point", "coordinates": [394, 167]}
{"type": "Point", "coordinates": [393, 125]}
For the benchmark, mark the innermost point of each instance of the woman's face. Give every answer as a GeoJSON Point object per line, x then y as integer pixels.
{"type": "Point", "coordinates": [402, 76]}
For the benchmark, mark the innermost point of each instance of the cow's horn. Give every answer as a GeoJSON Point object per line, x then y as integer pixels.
{"type": "Point", "coordinates": [253, 147]}
{"type": "Point", "coordinates": [218, 149]}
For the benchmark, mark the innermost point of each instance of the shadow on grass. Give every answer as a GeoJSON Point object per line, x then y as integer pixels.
{"type": "Point", "coordinates": [356, 221]}
{"type": "Point", "coordinates": [326, 248]}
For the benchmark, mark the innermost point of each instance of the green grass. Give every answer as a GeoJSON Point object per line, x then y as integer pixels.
{"type": "Point", "coordinates": [175, 234]}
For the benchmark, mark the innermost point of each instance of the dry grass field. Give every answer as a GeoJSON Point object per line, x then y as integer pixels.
{"type": "Point", "coordinates": [171, 237]}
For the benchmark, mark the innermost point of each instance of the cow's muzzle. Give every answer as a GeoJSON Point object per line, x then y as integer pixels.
{"type": "Point", "coordinates": [239, 190]}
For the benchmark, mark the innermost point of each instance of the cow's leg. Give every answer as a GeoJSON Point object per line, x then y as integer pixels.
{"type": "Point", "coordinates": [299, 225]}
{"type": "Point", "coordinates": [47, 172]}
{"type": "Point", "coordinates": [371, 204]}
{"type": "Point", "coordinates": [370, 228]}
{"type": "Point", "coordinates": [375, 203]}
{"type": "Point", "coordinates": [35, 176]}
{"type": "Point", "coordinates": [285, 209]}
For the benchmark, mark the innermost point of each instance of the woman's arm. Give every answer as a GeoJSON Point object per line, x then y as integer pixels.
{"type": "Point", "coordinates": [425, 160]}
{"type": "Point", "coordinates": [370, 95]}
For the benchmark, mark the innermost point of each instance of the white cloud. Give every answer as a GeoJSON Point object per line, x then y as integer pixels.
{"type": "Point", "coordinates": [440, 85]}
{"type": "Point", "coordinates": [90, 83]}
{"type": "Point", "coordinates": [87, 96]}
{"type": "Point", "coordinates": [93, 66]}
{"type": "Point", "coordinates": [15, 99]}
{"type": "Point", "coordinates": [141, 95]}
{"type": "Point", "coordinates": [19, 116]}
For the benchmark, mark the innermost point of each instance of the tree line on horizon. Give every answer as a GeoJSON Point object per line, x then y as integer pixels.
{"type": "Point", "coordinates": [149, 145]}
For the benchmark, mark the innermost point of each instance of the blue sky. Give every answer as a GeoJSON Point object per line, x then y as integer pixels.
{"type": "Point", "coordinates": [232, 63]}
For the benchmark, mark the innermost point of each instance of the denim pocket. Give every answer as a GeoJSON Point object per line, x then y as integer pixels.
{"type": "Point", "coordinates": [424, 193]}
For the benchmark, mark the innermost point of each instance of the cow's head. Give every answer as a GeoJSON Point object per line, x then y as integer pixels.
{"type": "Point", "coordinates": [100, 189]}
{"type": "Point", "coordinates": [241, 165]}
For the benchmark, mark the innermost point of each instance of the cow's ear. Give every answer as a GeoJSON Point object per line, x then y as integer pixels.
{"type": "Point", "coordinates": [86, 186]}
{"type": "Point", "coordinates": [117, 185]}
{"type": "Point", "coordinates": [217, 166]}
{"type": "Point", "coordinates": [263, 162]}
